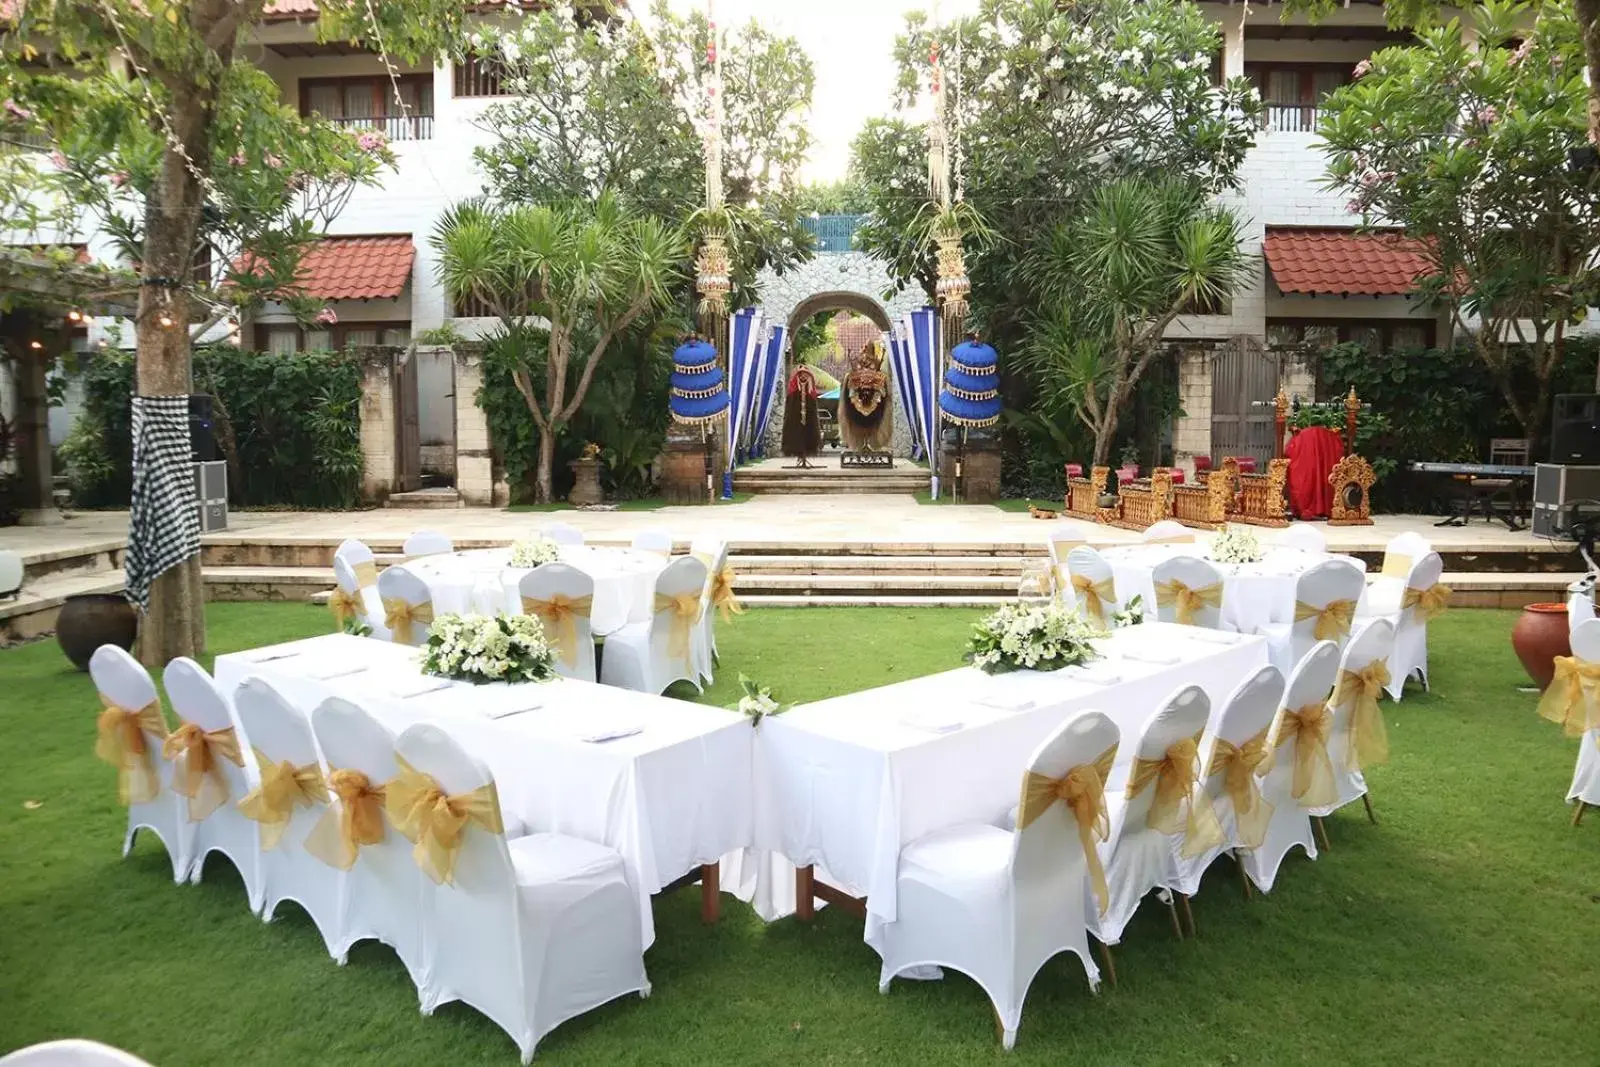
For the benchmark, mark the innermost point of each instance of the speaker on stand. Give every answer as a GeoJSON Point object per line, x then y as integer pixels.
{"type": "Point", "coordinates": [1575, 429]}
{"type": "Point", "coordinates": [210, 472]}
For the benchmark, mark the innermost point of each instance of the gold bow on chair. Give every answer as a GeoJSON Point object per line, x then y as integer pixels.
{"type": "Point", "coordinates": [1240, 766]}
{"type": "Point", "coordinates": [120, 741]}
{"type": "Point", "coordinates": [366, 573]}
{"type": "Point", "coordinates": [434, 821]}
{"type": "Point", "coordinates": [345, 605]}
{"type": "Point", "coordinates": [1096, 595]}
{"type": "Point", "coordinates": [686, 610]}
{"type": "Point", "coordinates": [558, 616]}
{"type": "Point", "coordinates": [402, 617]}
{"type": "Point", "coordinates": [1429, 603]}
{"type": "Point", "coordinates": [722, 597]}
{"type": "Point", "coordinates": [358, 820]}
{"type": "Point", "coordinates": [1573, 696]}
{"type": "Point", "coordinates": [1333, 618]}
{"type": "Point", "coordinates": [1083, 790]}
{"type": "Point", "coordinates": [1308, 727]}
{"type": "Point", "coordinates": [1174, 774]}
{"type": "Point", "coordinates": [1369, 738]}
{"type": "Point", "coordinates": [196, 773]}
{"type": "Point", "coordinates": [283, 788]}
{"type": "Point", "coordinates": [1188, 601]}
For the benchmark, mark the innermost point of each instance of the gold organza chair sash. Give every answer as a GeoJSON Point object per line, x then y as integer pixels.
{"type": "Point", "coordinates": [558, 615]}
{"type": "Point", "coordinates": [1573, 696]}
{"type": "Point", "coordinates": [1429, 603]}
{"type": "Point", "coordinates": [1240, 766]}
{"type": "Point", "coordinates": [686, 611]}
{"type": "Point", "coordinates": [196, 772]}
{"type": "Point", "coordinates": [345, 605]}
{"type": "Point", "coordinates": [722, 597]}
{"type": "Point", "coordinates": [1309, 727]}
{"type": "Point", "coordinates": [1083, 790]}
{"type": "Point", "coordinates": [434, 821]}
{"type": "Point", "coordinates": [403, 617]}
{"type": "Point", "coordinates": [1176, 809]}
{"type": "Point", "coordinates": [1187, 602]}
{"type": "Point", "coordinates": [337, 837]}
{"type": "Point", "coordinates": [1096, 595]}
{"type": "Point", "coordinates": [366, 573]}
{"type": "Point", "coordinates": [1369, 738]}
{"type": "Point", "coordinates": [120, 741]}
{"type": "Point", "coordinates": [1333, 618]}
{"type": "Point", "coordinates": [284, 787]}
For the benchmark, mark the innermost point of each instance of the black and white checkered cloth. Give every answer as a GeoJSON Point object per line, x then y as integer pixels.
{"type": "Point", "coordinates": [164, 524]}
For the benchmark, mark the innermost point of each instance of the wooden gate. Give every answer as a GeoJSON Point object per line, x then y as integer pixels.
{"type": "Point", "coordinates": [1244, 382]}
{"type": "Point", "coordinates": [407, 425]}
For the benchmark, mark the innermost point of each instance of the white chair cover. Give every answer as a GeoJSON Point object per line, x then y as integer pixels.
{"type": "Point", "coordinates": [653, 540]}
{"type": "Point", "coordinates": [1373, 640]}
{"type": "Point", "coordinates": [1334, 579]}
{"type": "Point", "coordinates": [399, 583]}
{"type": "Point", "coordinates": [996, 904]}
{"type": "Point", "coordinates": [1138, 857]}
{"type": "Point", "coordinates": [553, 579]}
{"type": "Point", "coordinates": [123, 681]}
{"type": "Point", "coordinates": [281, 732]}
{"type": "Point", "coordinates": [11, 571]}
{"type": "Point", "coordinates": [371, 604]}
{"type": "Point", "coordinates": [196, 699]}
{"type": "Point", "coordinates": [74, 1052]}
{"type": "Point", "coordinates": [1305, 537]}
{"type": "Point", "coordinates": [1290, 825]}
{"type": "Point", "coordinates": [1248, 711]}
{"type": "Point", "coordinates": [1410, 654]}
{"type": "Point", "coordinates": [713, 552]}
{"type": "Point", "coordinates": [1063, 537]}
{"type": "Point", "coordinates": [532, 932]}
{"type": "Point", "coordinates": [1089, 563]}
{"type": "Point", "coordinates": [1586, 775]}
{"type": "Point", "coordinates": [353, 551]}
{"type": "Point", "coordinates": [426, 543]}
{"type": "Point", "coordinates": [1194, 572]}
{"type": "Point", "coordinates": [640, 656]}
{"type": "Point", "coordinates": [1580, 602]}
{"type": "Point", "coordinates": [383, 891]}
{"type": "Point", "coordinates": [564, 533]}
{"type": "Point", "coordinates": [1168, 532]}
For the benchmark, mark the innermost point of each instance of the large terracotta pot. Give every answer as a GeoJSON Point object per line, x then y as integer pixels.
{"type": "Point", "coordinates": [93, 619]}
{"type": "Point", "coordinates": [1539, 636]}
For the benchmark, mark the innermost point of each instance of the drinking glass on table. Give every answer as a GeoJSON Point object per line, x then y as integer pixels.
{"type": "Point", "coordinates": [1034, 587]}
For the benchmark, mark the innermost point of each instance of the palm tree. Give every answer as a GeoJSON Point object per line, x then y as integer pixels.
{"type": "Point", "coordinates": [1138, 255]}
{"type": "Point", "coordinates": [584, 269]}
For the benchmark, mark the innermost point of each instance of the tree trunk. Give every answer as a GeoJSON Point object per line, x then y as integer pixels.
{"type": "Point", "coordinates": [543, 489]}
{"type": "Point", "coordinates": [1588, 12]}
{"type": "Point", "coordinates": [1104, 435]}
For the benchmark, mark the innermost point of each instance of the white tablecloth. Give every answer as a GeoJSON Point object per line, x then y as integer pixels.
{"type": "Point", "coordinates": [482, 580]}
{"type": "Point", "coordinates": [1253, 594]}
{"type": "Point", "coordinates": [846, 783]}
{"type": "Point", "coordinates": [669, 798]}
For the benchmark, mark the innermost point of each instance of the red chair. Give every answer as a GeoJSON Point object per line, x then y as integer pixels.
{"type": "Point", "coordinates": [1202, 465]}
{"type": "Point", "coordinates": [1127, 474]}
{"type": "Point", "coordinates": [1247, 464]}
{"type": "Point", "coordinates": [1074, 470]}
{"type": "Point", "coordinates": [1177, 476]}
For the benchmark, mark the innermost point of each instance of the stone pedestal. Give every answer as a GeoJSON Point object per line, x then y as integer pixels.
{"type": "Point", "coordinates": [980, 472]}
{"type": "Point", "coordinates": [683, 469]}
{"type": "Point", "coordinates": [474, 457]}
{"type": "Point", "coordinates": [377, 427]}
{"type": "Point", "coordinates": [586, 488]}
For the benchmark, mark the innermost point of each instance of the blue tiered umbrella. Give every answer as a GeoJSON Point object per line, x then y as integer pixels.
{"type": "Point", "coordinates": [971, 394]}
{"type": "Point", "coordinates": [698, 392]}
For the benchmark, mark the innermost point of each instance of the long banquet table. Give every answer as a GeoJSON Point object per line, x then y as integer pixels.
{"type": "Point", "coordinates": [844, 784]}
{"type": "Point", "coordinates": [669, 798]}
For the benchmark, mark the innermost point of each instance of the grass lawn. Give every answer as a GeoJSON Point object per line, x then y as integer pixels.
{"type": "Point", "coordinates": [1460, 931]}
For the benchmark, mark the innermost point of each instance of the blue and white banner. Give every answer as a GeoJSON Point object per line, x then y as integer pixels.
{"type": "Point", "coordinates": [922, 330]}
{"type": "Point", "coordinates": [744, 355]}
{"type": "Point", "coordinates": [900, 367]}
{"type": "Point", "coordinates": [766, 387]}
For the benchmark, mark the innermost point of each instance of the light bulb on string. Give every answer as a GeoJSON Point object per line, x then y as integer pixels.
{"type": "Point", "coordinates": [74, 315]}
{"type": "Point", "coordinates": [36, 345]}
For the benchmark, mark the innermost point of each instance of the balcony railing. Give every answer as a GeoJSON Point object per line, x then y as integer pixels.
{"type": "Point", "coordinates": [1290, 118]}
{"type": "Point", "coordinates": [834, 233]}
{"type": "Point", "coordinates": [394, 127]}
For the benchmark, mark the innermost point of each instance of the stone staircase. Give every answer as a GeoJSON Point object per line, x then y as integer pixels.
{"type": "Point", "coordinates": [901, 479]}
{"type": "Point", "coordinates": [440, 497]}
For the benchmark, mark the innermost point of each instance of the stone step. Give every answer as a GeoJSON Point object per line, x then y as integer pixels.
{"type": "Point", "coordinates": [809, 487]}
{"type": "Point", "coordinates": [901, 584]}
{"type": "Point", "coordinates": [444, 497]}
{"type": "Point", "coordinates": [884, 565]}
{"type": "Point", "coordinates": [32, 613]}
{"type": "Point", "coordinates": [96, 558]}
{"type": "Point", "coordinates": [873, 601]}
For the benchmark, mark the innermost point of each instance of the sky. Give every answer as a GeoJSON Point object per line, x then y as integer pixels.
{"type": "Point", "coordinates": [850, 43]}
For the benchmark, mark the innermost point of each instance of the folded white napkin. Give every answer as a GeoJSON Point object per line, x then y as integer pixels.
{"type": "Point", "coordinates": [598, 728]}
{"type": "Point", "coordinates": [412, 687]}
{"type": "Point", "coordinates": [1210, 637]}
{"type": "Point", "coordinates": [272, 654]}
{"type": "Point", "coordinates": [1150, 655]}
{"type": "Point", "coordinates": [1094, 674]}
{"type": "Point", "coordinates": [516, 709]}
{"type": "Point", "coordinates": [329, 669]}
{"type": "Point", "coordinates": [934, 720]}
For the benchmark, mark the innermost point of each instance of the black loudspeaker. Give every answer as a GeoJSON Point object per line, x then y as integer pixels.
{"type": "Point", "coordinates": [1575, 429]}
{"type": "Point", "coordinates": [202, 435]}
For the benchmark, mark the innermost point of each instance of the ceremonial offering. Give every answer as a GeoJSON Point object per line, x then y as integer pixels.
{"type": "Point", "coordinates": [757, 702]}
{"type": "Point", "coordinates": [1035, 637]}
{"type": "Point", "coordinates": [533, 551]}
{"type": "Point", "coordinates": [971, 393]}
{"type": "Point", "coordinates": [1236, 544]}
{"type": "Point", "coordinates": [488, 648]}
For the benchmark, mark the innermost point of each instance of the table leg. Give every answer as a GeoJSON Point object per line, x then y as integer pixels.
{"type": "Point", "coordinates": [805, 901]}
{"type": "Point", "coordinates": [710, 892]}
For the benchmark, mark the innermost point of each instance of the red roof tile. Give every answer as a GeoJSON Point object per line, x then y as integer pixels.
{"type": "Point", "coordinates": [354, 268]}
{"type": "Point", "coordinates": [1331, 260]}
{"type": "Point", "coordinates": [306, 10]}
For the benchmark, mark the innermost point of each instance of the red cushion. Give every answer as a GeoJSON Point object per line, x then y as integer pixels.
{"type": "Point", "coordinates": [1177, 476]}
{"type": "Point", "coordinates": [1247, 464]}
{"type": "Point", "coordinates": [1074, 470]}
{"type": "Point", "coordinates": [1202, 463]}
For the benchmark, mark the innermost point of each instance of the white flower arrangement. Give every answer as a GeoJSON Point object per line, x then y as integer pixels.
{"type": "Point", "coordinates": [1130, 614]}
{"type": "Point", "coordinates": [1236, 544]}
{"type": "Point", "coordinates": [757, 702]}
{"type": "Point", "coordinates": [488, 648]}
{"type": "Point", "coordinates": [1035, 637]}
{"type": "Point", "coordinates": [534, 551]}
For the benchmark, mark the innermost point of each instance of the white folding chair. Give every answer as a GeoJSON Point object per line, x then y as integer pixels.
{"type": "Point", "coordinates": [1188, 590]}
{"type": "Point", "coordinates": [426, 543]}
{"type": "Point", "coordinates": [561, 596]}
{"type": "Point", "coordinates": [653, 540]}
{"type": "Point", "coordinates": [73, 1052]}
{"type": "Point", "coordinates": [202, 709]}
{"type": "Point", "coordinates": [125, 686]}
{"type": "Point", "coordinates": [407, 605]}
{"type": "Point", "coordinates": [1064, 536]}
{"type": "Point", "coordinates": [1140, 855]}
{"type": "Point", "coordinates": [1325, 601]}
{"type": "Point", "coordinates": [649, 656]}
{"type": "Point", "coordinates": [1368, 646]}
{"type": "Point", "coordinates": [383, 891]}
{"type": "Point", "coordinates": [1385, 587]}
{"type": "Point", "coordinates": [1305, 700]}
{"type": "Point", "coordinates": [1585, 791]}
{"type": "Point", "coordinates": [997, 904]}
{"type": "Point", "coordinates": [1410, 656]}
{"type": "Point", "coordinates": [564, 533]}
{"type": "Point", "coordinates": [713, 552]}
{"type": "Point", "coordinates": [530, 932]}
{"type": "Point", "coordinates": [363, 570]}
{"type": "Point", "coordinates": [1095, 597]}
{"type": "Point", "coordinates": [1168, 532]}
{"type": "Point", "coordinates": [292, 773]}
{"type": "Point", "coordinates": [1305, 537]}
{"type": "Point", "coordinates": [1580, 603]}
{"type": "Point", "coordinates": [11, 571]}
{"type": "Point", "coordinates": [367, 600]}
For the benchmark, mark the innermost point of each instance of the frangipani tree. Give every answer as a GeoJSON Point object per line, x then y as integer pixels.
{"type": "Point", "coordinates": [590, 271]}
